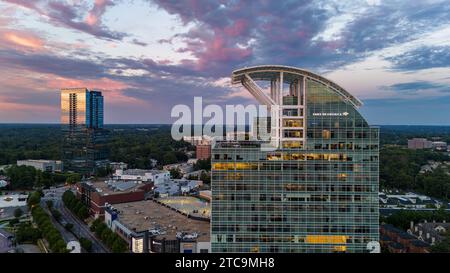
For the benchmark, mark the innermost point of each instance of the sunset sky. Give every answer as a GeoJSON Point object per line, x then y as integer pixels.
{"type": "Point", "coordinates": [148, 55]}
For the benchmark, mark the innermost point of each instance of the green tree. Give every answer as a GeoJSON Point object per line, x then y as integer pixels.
{"type": "Point", "coordinates": [26, 233]}
{"type": "Point", "coordinates": [22, 177]}
{"type": "Point", "coordinates": [73, 178]}
{"type": "Point", "coordinates": [83, 213]}
{"type": "Point", "coordinates": [442, 247]}
{"type": "Point", "coordinates": [95, 224]}
{"type": "Point", "coordinates": [105, 235]}
{"type": "Point", "coordinates": [99, 230]}
{"type": "Point", "coordinates": [86, 244]}
{"type": "Point", "coordinates": [103, 172]}
{"type": "Point", "coordinates": [205, 178]}
{"type": "Point", "coordinates": [169, 158]}
{"type": "Point", "coordinates": [175, 173]}
{"type": "Point", "coordinates": [18, 212]}
{"type": "Point", "coordinates": [68, 226]}
{"type": "Point", "coordinates": [34, 199]}
{"type": "Point", "coordinates": [56, 214]}
{"type": "Point", "coordinates": [119, 246]}
{"type": "Point", "coordinates": [203, 164]}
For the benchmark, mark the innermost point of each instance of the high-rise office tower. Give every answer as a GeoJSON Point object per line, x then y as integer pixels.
{"type": "Point", "coordinates": [84, 139]}
{"type": "Point", "coordinates": [311, 187]}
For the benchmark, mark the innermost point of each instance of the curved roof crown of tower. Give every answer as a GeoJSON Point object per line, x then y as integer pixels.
{"type": "Point", "coordinates": [266, 72]}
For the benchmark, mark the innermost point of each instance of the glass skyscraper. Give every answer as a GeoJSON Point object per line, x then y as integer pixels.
{"type": "Point", "coordinates": [84, 139]}
{"type": "Point", "coordinates": [316, 190]}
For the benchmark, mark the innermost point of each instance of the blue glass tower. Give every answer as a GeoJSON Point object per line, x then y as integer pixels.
{"type": "Point", "coordinates": [85, 140]}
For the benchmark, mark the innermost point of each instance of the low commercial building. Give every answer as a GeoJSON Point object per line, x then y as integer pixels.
{"type": "Point", "coordinates": [177, 186]}
{"type": "Point", "coordinates": [118, 166]}
{"type": "Point", "coordinates": [155, 176]}
{"type": "Point", "coordinates": [194, 174]}
{"type": "Point", "coordinates": [97, 195]}
{"type": "Point", "coordinates": [408, 200]}
{"type": "Point", "coordinates": [150, 227]}
{"type": "Point", "coordinates": [42, 164]}
{"type": "Point", "coordinates": [439, 145]}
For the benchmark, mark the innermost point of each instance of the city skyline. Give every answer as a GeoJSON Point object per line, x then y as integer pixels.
{"type": "Point", "coordinates": [146, 56]}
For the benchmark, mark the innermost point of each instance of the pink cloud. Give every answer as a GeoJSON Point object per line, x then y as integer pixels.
{"type": "Point", "coordinates": [21, 40]}
{"type": "Point", "coordinates": [7, 106]}
{"type": "Point", "coordinates": [238, 28]}
{"type": "Point", "coordinates": [165, 62]}
{"type": "Point", "coordinates": [111, 88]}
{"type": "Point", "coordinates": [101, 84]}
{"type": "Point", "coordinates": [217, 50]}
{"type": "Point", "coordinates": [94, 16]}
{"type": "Point", "coordinates": [73, 15]}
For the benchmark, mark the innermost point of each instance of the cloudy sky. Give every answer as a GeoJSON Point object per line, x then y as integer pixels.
{"type": "Point", "coordinates": [148, 55]}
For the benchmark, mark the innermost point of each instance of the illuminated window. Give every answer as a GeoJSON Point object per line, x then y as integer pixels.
{"type": "Point", "coordinates": [339, 249]}
{"type": "Point", "coordinates": [293, 123]}
{"type": "Point", "coordinates": [342, 177]}
{"type": "Point", "coordinates": [293, 133]}
{"type": "Point", "coordinates": [292, 144]}
{"type": "Point", "coordinates": [326, 239]}
{"type": "Point", "coordinates": [274, 156]}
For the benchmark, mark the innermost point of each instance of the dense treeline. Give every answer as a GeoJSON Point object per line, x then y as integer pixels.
{"type": "Point", "coordinates": [111, 239]}
{"type": "Point", "coordinates": [399, 134]}
{"type": "Point", "coordinates": [26, 177]}
{"type": "Point", "coordinates": [26, 233]}
{"type": "Point", "coordinates": [399, 169]}
{"type": "Point", "coordinates": [29, 142]}
{"type": "Point", "coordinates": [75, 205]}
{"type": "Point", "coordinates": [134, 145]}
{"type": "Point", "coordinates": [48, 231]}
{"type": "Point", "coordinates": [137, 147]}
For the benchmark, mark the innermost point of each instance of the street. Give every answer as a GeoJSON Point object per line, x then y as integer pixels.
{"type": "Point", "coordinates": [80, 229]}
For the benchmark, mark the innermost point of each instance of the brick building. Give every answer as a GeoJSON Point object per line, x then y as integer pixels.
{"type": "Point", "coordinates": [203, 151]}
{"type": "Point", "coordinates": [396, 240]}
{"type": "Point", "coordinates": [97, 194]}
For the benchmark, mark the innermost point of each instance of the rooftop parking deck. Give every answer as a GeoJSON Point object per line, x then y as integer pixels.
{"type": "Point", "coordinates": [149, 215]}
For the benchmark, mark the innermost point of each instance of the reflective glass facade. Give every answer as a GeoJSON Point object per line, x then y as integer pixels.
{"type": "Point", "coordinates": [85, 141]}
{"type": "Point", "coordinates": [316, 196]}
